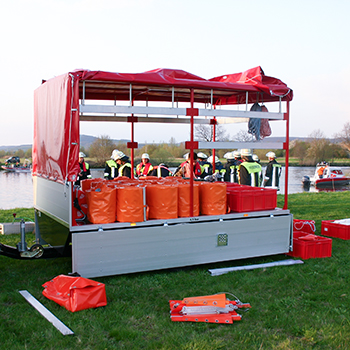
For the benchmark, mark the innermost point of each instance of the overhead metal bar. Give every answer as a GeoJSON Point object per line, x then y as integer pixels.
{"type": "Point", "coordinates": [179, 111]}
{"type": "Point", "coordinates": [106, 118]}
{"type": "Point", "coordinates": [240, 144]}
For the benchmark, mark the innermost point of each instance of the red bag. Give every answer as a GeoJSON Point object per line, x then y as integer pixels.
{"type": "Point", "coordinates": [307, 226]}
{"type": "Point", "coordinates": [265, 129]}
{"type": "Point", "coordinates": [75, 293]}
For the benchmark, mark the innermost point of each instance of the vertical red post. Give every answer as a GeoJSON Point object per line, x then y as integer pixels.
{"type": "Point", "coordinates": [214, 139]}
{"type": "Point", "coordinates": [191, 153]}
{"type": "Point", "coordinates": [286, 118]}
{"type": "Point", "coordinates": [132, 149]}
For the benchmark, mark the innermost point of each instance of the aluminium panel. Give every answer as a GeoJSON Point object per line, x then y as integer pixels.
{"type": "Point", "coordinates": [86, 108]}
{"type": "Point", "coordinates": [113, 252]}
{"type": "Point", "coordinates": [232, 145]}
{"type": "Point", "coordinates": [53, 199]}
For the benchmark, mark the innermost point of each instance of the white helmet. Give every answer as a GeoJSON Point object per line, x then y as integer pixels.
{"type": "Point", "coordinates": [229, 155]}
{"type": "Point", "coordinates": [246, 152]}
{"type": "Point", "coordinates": [202, 155]}
{"type": "Point", "coordinates": [236, 154]}
{"type": "Point", "coordinates": [114, 154]}
{"type": "Point", "coordinates": [117, 154]}
{"type": "Point", "coordinates": [186, 155]}
{"type": "Point", "coordinates": [82, 155]}
{"type": "Point", "coordinates": [255, 158]}
{"type": "Point", "coordinates": [270, 155]}
{"type": "Point", "coordinates": [210, 159]}
{"type": "Point", "coordinates": [145, 156]}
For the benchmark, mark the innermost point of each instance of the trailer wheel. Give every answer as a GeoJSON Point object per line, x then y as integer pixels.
{"type": "Point", "coordinates": [37, 248]}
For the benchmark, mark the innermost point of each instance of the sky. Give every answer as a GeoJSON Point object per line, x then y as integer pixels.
{"type": "Point", "coordinates": [303, 43]}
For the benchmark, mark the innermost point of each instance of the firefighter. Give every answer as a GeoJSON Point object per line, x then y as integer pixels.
{"type": "Point", "coordinates": [111, 168]}
{"type": "Point", "coordinates": [185, 169]}
{"type": "Point", "coordinates": [124, 164]}
{"type": "Point", "coordinates": [84, 169]}
{"type": "Point", "coordinates": [207, 168]}
{"type": "Point", "coordinates": [273, 171]}
{"type": "Point", "coordinates": [145, 167]}
{"type": "Point", "coordinates": [231, 167]}
{"type": "Point", "coordinates": [219, 168]}
{"type": "Point", "coordinates": [248, 170]}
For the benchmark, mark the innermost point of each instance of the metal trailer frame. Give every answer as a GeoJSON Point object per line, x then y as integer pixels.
{"type": "Point", "coordinates": [118, 248]}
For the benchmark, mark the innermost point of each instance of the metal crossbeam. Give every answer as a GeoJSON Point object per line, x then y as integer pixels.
{"type": "Point", "coordinates": [203, 112]}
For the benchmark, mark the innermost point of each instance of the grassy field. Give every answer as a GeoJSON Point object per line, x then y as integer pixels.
{"type": "Point", "coordinates": [293, 307]}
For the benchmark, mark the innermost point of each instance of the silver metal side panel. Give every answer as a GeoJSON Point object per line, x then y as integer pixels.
{"type": "Point", "coordinates": [119, 251]}
{"type": "Point", "coordinates": [53, 199]}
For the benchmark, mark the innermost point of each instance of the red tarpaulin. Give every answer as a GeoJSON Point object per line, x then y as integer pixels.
{"type": "Point", "coordinates": [56, 105]}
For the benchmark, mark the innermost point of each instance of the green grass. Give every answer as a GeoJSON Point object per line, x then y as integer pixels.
{"type": "Point", "coordinates": [293, 307]}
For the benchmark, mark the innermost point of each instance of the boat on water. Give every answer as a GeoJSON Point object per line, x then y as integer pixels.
{"type": "Point", "coordinates": [13, 165]}
{"type": "Point", "coordinates": [326, 176]}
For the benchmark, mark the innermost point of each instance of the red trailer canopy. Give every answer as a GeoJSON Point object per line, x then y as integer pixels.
{"type": "Point", "coordinates": [56, 105]}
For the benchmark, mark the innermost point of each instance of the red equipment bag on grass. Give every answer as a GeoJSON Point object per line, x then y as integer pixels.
{"type": "Point", "coordinates": [75, 293]}
{"type": "Point", "coordinates": [307, 226]}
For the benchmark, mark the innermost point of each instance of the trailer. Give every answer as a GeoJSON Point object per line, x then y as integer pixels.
{"type": "Point", "coordinates": [160, 96]}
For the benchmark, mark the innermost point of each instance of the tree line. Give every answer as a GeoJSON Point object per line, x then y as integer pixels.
{"type": "Point", "coordinates": [317, 148]}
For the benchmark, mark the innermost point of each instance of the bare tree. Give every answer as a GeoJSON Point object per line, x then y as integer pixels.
{"type": "Point", "coordinates": [344, 136]}
{"type": "Point", "coordinates": [244, 136]}
{"type": "Point", "coordinates": [205, 133]}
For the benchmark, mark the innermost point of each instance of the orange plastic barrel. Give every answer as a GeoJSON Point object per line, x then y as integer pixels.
{"type": "Point", "coordinates": [130, 207]}
{"type": "Point", "coordinates": [184, 208]}
{"type": "Point", "coordinates": [101, 205]}
{"type": "Point", "coordinates": [162, 201]}
{"type": "Point", "coordinates": [212, 197]}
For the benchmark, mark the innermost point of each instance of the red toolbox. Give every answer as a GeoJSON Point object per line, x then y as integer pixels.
{"type": "Point", "coordinates": [247, 198]}
{"type": "Point", "coordinates": [334, 229]}
{"type": "Point", "coordinates": [307, 245]}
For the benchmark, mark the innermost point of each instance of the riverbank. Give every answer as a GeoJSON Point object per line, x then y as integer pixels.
{"type": "Point", "coordinates": [293, 307]}
{"type": "Point", "coordinates": [175, 162]}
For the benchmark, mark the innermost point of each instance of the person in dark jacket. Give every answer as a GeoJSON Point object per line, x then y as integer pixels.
{"type": "Point", "coordinates": [249, 171]}
{"type": "Point", "coordinates": [124, 164]}
{"type": "Point", "coordinates": [111, 168]}
{"type": "Point", "coordinates": [207, 168]}
{"type": "Point", "coordinates": [84, 169]}
{"type": "Point", "coordinates": [231, 167]}
{"type": "Point", "coordinates": [219, 168]}
{"type": "Point", "coordinates": [273, 171]}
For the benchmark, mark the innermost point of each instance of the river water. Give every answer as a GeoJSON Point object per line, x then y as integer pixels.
{"type": "Point", "coordinates": [16, 189]}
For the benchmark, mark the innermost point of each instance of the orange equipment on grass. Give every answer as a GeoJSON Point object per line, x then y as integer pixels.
{"type": "Point", "coordinates": [209, 308]}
